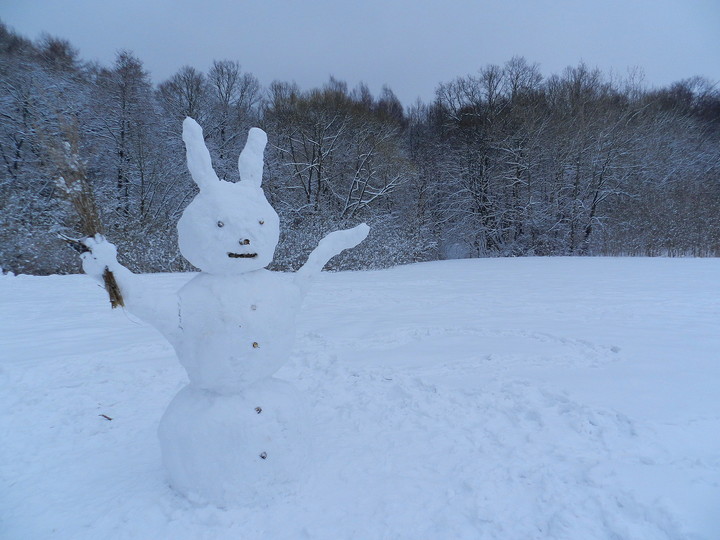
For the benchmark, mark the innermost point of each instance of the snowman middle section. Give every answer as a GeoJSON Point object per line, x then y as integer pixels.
{"type": "Point", "coordinates": [236, 329]}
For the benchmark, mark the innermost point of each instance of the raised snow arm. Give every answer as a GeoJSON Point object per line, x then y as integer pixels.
{"type": "Point", "coordinates": [331, 245]}
{"type": "Point", "coordinates": [156, 309]}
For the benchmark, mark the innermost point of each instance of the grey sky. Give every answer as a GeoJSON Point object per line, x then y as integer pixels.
{"type": "Point", "coordinates": [411, 45]}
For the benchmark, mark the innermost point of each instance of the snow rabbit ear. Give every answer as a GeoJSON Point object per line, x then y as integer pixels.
{"type": "Point", "coordinates": [250, 162]}
{"type": "Point", "coordinates": [198, 157]}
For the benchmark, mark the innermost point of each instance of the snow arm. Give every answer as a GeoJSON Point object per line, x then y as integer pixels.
{"type": "Point", "coordinates": [330, 246]}
{"type": "Point", "coordinates": [161, 312]}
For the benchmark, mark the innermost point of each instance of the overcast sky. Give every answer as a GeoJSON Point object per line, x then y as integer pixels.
{"type": "Point", "coordinates": [410, 45]}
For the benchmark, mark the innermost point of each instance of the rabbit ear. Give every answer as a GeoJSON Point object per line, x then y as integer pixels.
{"type": "Point", "coordinates": [198, 157]}
{"type": "Point", "coordinates": [250, 162]}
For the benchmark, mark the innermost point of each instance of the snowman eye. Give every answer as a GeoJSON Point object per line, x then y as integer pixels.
{"type": "Point", "coordinates": [220, 224]}
{"type": "Point", "coordinates": [261, 222]}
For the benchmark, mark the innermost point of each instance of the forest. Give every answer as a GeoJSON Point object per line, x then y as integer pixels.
{"type": "Point", "coordinates": [503, 162]}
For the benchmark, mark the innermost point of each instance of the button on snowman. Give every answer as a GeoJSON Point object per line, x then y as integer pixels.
{"type": "Point", "coordinates": [234, 434]}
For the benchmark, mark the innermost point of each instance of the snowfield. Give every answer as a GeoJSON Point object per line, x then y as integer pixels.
{"type": "Point", "coordinates": [568, 398]}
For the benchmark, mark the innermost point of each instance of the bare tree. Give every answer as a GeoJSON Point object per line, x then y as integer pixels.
{"type": "Point", "coordinates": [185, 94]}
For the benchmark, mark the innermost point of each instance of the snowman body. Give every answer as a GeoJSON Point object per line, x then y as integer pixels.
{"type": "Point", "coordinates": [235, 434]}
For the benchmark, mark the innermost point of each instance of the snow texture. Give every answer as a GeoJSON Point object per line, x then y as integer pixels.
{"type": "Point", "coordinates": [539, 398]}
{"type": "Point", "coordinates": [235, 432]}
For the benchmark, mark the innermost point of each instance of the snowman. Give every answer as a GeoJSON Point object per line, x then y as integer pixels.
{"type": "Point", "coordinates": [234, 434]}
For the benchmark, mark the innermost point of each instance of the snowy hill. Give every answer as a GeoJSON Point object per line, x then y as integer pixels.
{"type": "Point", "coordinates": [495, 399]}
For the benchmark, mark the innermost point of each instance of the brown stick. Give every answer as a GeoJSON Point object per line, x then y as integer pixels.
{"type": "Point", "coordinates": [113, 289]}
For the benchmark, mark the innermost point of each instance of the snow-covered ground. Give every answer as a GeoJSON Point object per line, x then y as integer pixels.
{"type": "Point", "coordinates": [495, 399]}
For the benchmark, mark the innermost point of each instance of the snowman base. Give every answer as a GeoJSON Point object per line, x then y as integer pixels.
{"type": "Point", "coordinates": [236, 449]}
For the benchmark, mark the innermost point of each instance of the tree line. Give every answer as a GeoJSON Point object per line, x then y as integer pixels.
{"type": "Point", "coordinates": [503, 162]}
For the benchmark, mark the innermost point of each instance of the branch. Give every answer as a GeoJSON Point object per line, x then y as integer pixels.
{"type": "Point", "coordinates": [74, 186]}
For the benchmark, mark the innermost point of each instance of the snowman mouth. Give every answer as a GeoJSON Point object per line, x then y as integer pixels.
{"type": "Point", "coordinates": [242, 255]}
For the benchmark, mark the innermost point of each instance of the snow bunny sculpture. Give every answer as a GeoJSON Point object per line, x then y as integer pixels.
{"type": "Point", "coordinates": [234, 434]}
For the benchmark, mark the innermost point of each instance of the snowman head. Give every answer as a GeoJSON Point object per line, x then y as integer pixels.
{"type": "Point", "coordinates": [228, 228]}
